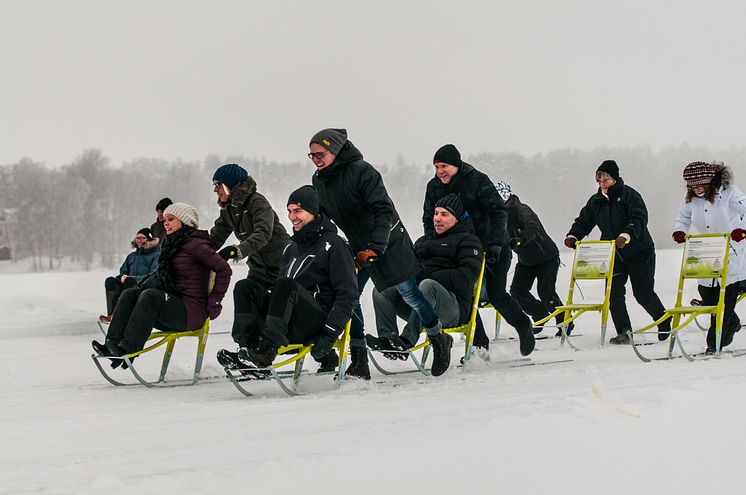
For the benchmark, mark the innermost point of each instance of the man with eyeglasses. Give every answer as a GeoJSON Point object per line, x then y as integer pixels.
{"type": "Point", "coordinates": [262, 238]}
{"type": "Point", "coordinates": [620, 214]}
{"type": "Point", "coordinates": [352, 194]}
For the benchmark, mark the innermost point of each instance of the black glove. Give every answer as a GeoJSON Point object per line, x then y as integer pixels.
{"type": "Point", "coordinates": [228, 252]}
{"type": "Point", "coordinates": [493, 253]}
{"type": "Point", "coordinates": [322, 346]}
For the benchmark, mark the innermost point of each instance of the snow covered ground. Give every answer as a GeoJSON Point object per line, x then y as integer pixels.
{"type": "Point", "coordinates": [603, 423]}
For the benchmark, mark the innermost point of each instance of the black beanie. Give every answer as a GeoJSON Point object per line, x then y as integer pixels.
{"type": "Point", "coordinates": [163, 204]}
{"type": "Point", "coordinates": [448, 154]}
{"type": "Point", "coordinates": [331, 139]}
{"type": "Point", "coordinates": [307, 198]}
{"type": "Point", "coordinates": [610, 167]}
{"type": "Point", "coordinates": [146, 232]}
{"type": "Point", "coordinates": [452, 203]}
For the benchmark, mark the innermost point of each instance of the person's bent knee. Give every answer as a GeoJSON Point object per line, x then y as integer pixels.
{"type": "Point", "coordinates": [429, 287]}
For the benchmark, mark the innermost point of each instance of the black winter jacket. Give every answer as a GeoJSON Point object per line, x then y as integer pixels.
{"type": "Point", "coordinates": [322, 263]}
{"type": "Point", "coordinates": [528, 238]}
{"type": "Point", "coordinates": [353, 196]}
{"type": "Point", "coordinates": [453, 260]}
{"type": "Point", "coordinates": [261, 236]}
{"type": "Point", "coordinates": [623, 211]}
{"type": "Point", "coordinates": [480, 199]}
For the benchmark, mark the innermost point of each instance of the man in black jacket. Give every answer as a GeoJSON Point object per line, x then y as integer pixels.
{"type": "Point", "coordinates": [247, 214]}
{"type": "Point", "coordinates": [538, 259]}
{"type": "Point", "coordinates": [486, 208]}
{"type": "Point", "coordinates": [314, 297]}
{"type": "Point", "coordinates": [353, 196]}
{"type": "Point", "coordinates": [450, 267]}
{"type": "Point", "coordinates": [621, 215]}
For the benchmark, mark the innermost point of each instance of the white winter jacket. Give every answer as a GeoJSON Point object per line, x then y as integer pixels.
{"type": "Point", "coordinates": [728, 212]}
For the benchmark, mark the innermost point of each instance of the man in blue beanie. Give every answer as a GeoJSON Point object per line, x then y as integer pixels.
{"type": "Point", "coordinates": [262, 238]}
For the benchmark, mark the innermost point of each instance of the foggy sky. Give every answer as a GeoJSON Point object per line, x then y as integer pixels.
{"type": "Point", "coordinates": [180, 78]}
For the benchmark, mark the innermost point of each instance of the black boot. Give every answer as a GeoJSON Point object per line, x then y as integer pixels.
{"type": "Point", "coordinates": [441, 344]}
{"type": "Point", "coordinates": [526, 337]}
{"type": "Point", "coordinates": [358, 363]}
{"type": "Point", "coordinates": [621, 339]}
{"type": "Point", "coordinates": [664, 330]}
{"type": "Point", "coordinates": [262, 355]}
{"type": "Point", "coordinates": [328, 363]}
{"type": "Point", "coordinates": [570, 328]}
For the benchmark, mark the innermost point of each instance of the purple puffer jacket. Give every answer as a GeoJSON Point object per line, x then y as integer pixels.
{"type": "Point", "coordinates": [190, 271]}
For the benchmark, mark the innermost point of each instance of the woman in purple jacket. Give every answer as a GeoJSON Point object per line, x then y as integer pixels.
{"type": "Point", "coordinates": [176, 297]}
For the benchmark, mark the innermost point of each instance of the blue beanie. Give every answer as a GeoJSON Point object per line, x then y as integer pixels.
{"type": "Point", "coordinates": [230, 174]}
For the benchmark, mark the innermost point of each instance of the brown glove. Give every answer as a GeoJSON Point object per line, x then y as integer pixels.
{"type": "Point", "coordinates": [364, 258]}
{"type": "Point", "coordinates": [570, 242]}
{"type": "Point", "coordinates": [621, 241]}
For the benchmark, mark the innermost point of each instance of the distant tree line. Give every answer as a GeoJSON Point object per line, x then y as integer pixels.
{"type": "Point", "coordinates": [88, 210]}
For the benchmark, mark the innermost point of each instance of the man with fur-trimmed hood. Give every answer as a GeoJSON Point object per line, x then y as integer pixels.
{"type": "Point", "coordinates": [262, 238]}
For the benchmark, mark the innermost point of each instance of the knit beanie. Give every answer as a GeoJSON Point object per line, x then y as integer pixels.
{"type": "Point", "coordinates": [503, 189]}
{"type": "Point", "coordinates": [146, 232]}
{"type": "Point", "coordinates": [307, 198]}
{"type": "Point", "coordinates": [230, 174]}
{"type": "Point", "coordinates": [699, 174]}
{"type": "Point", "coordinates": [184, 212]}
{"type": "Point", "coordinates": [453, 204]}
{"type": "Point", "coordinates": [331, 139]}
{"type": "Point", "coordinates": [448, 154]}
{"type": "Point", "coordinates": [610, 167]}
{"type": "Point", "coordinates": [162, 204]}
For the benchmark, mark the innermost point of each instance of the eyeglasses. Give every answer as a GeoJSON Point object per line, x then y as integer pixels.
{"type": "Point", "coordinates": [318, 155]}
{"type": "Point", "coordinates": [141, 238]}
{"type": "Point", "coordinates": [216, 184]}
{"type": "Point", "coordinates": [604, 181]}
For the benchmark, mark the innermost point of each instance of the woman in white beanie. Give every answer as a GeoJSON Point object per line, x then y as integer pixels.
{"type": "Point", "coordinates": [713, 204]}
{"type": "Point", "coordinates": [176, 297]}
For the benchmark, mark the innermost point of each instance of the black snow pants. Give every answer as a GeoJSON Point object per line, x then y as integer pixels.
{"type": "Point", "coordinates": [114, 289]}
{"type": "Point", "coordinates": [293, 316]}
{"type": "Point", "coordinates": [250, 302]}
{"type": "Point", "coordinates": [141, 310]}
{"type": "Point", "coordinates": [545, 275]}
{"type": "Point", "coordinates": [641, 272]}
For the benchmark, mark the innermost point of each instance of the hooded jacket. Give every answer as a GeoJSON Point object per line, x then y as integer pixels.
{"type": "Point", "coordinates": [480, 199]}
{"type": "Point", "coordinates": [727, 213]}
{"type": "Point", "coordinates": [623, 211]}
{"type": "Point", "coordinates": [249, 216]}
{"type": "Point", "coordinates": [528, 238]}
{"type": "Point", "coordinates": [353, 196]}
{"type": "Point", "coordinates": [453, 259]}
{"type": "Point", "coordinates": [322, 263]}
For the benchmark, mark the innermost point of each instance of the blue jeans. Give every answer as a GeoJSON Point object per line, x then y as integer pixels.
{"type": "Point", "coordinates": [412, 295]}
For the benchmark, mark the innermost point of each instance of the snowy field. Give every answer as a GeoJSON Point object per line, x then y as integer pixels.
{"type": "Point", "coordinates": [603, 423]}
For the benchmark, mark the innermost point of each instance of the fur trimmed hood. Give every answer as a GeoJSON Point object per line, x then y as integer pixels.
{"type": "Point", "coordinates": [240, 193]}
{"type": "Point", "coordinates": [724, 173]}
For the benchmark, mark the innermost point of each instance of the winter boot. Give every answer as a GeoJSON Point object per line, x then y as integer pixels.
{"type": "Point", "coordinates": [104, 319]}
{"type": "Point", "coordinates": [621, 339]}
{"type": "Point", "coordinates": [358, 363]}
{"type": "Point", "coordinates": [526, 337]}
{"type": "Point", "coordinates": [570, 328]}
{"type": "Point", "coordinates": [441, 344]}
{"type": "Point", "coordinates": [229, 360]}
{"type": "Point", "coordinates": [262, 355]}
{"type": "Point", "coordinates": [664, 330]}
{"type": "Point", "coordinates": [328, 363]}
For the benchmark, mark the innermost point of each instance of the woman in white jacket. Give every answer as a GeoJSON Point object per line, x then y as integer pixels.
{"type": "Point", "coordinates": [714, 205]}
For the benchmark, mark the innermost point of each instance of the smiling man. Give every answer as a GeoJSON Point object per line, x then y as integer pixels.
{"type": "Point", "coordinates": [314, 297]}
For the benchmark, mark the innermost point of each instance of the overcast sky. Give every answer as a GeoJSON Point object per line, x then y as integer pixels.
{"type": "Point", "coordinates": [182, 78]}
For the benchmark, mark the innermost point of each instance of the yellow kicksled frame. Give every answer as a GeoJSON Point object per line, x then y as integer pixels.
{"type": "Point", "coordinates": [593, 260]}
{"type": "Point", "coordinates": [705, 257]}
{"type": "Point", "coordinates": [293, 354]}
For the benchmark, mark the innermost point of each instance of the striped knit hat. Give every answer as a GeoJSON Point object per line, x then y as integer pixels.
{"type": "Point", "coordinates": [699, 174]}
